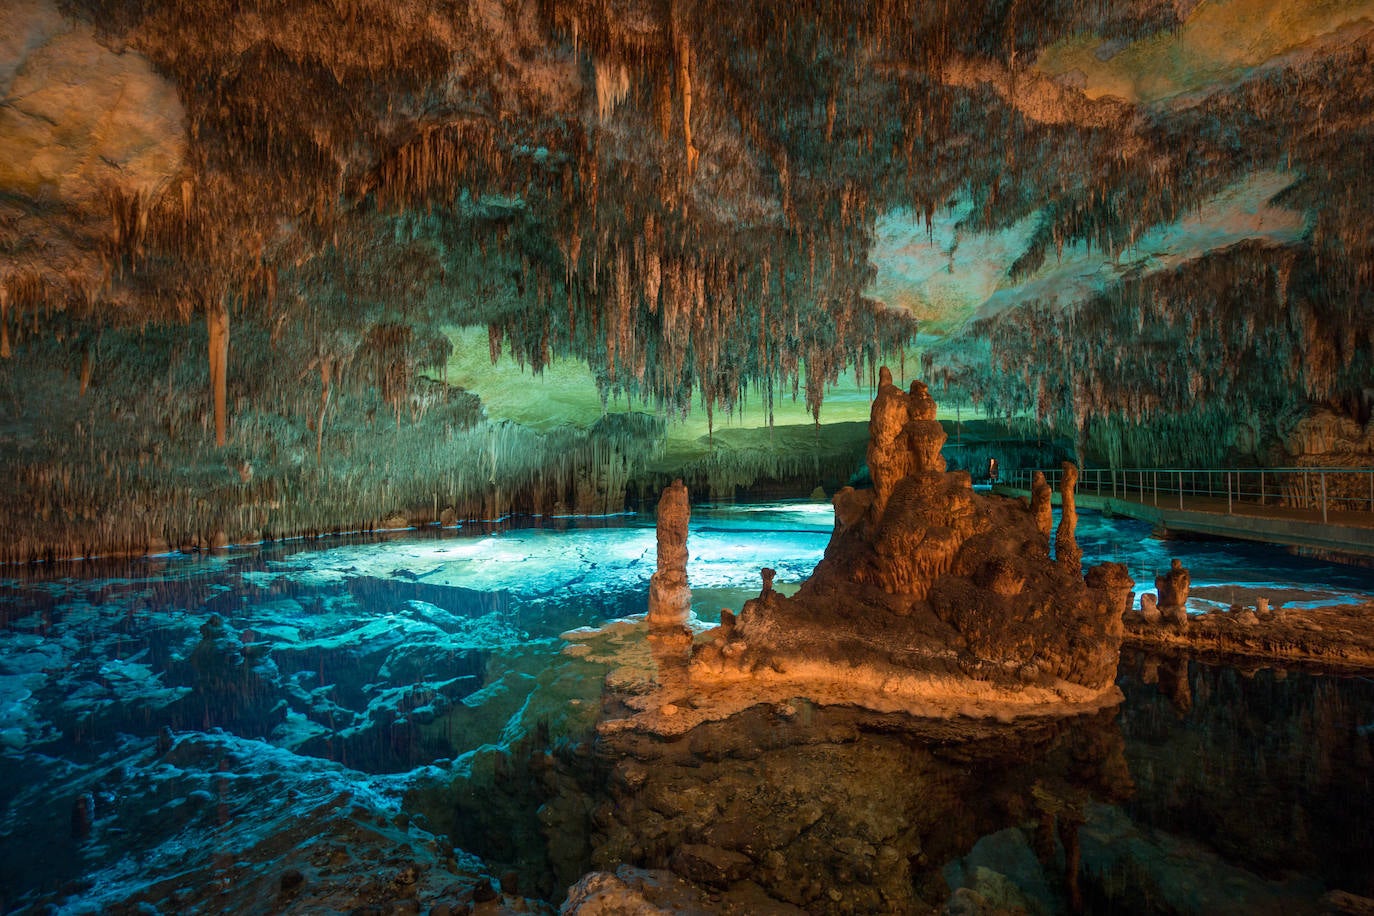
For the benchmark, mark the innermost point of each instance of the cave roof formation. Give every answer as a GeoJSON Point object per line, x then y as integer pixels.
{"type": "Point", "coordinates": [240, 237]}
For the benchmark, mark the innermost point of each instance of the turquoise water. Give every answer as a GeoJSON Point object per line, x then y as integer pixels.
{"type": "Point", "coordinates": [377, 664]}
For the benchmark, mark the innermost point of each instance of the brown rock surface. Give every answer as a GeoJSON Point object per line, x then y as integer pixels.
{"type": "Point", "coordinates": [782, 799]}
{"type": "Point", "coordinates": [927, 588]}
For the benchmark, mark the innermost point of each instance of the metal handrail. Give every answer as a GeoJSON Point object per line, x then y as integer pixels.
{"type": "Point", "coordinates": [1325, 488]}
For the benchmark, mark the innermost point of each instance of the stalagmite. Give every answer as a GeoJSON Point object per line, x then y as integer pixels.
{"type": "Point", "coordinates": [670, 598]}
{"type": "Point", "coordinates": [1042, 504]}
{"type": "Point", "coordinates": [1116, 581]}
{"type": "Point", "coordinates": [1065, 544]}
{"type": "Point", "coordinates": [888, 458]}
{"type": "Point", "coordinates": [1173, 592]}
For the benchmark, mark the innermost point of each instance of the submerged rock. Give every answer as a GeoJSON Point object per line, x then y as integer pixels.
{"type": "Point", "coordinates": [832, 810]}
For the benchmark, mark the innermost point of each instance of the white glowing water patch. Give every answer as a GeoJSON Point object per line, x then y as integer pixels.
{"type": "Point", "coordinates": [727, 548]}
{"type": "Point", "coordinates": [803, 511]}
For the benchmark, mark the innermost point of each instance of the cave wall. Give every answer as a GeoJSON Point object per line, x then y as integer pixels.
{"type": "Point", "coordinates": [237, 237]}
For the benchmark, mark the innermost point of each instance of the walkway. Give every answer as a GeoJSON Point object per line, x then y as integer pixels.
{"type": "Point", "coordinates": [1313, 508]}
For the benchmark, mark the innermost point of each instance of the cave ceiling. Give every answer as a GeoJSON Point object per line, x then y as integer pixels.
{"type": "Point", "coordinates": [1078, 210]}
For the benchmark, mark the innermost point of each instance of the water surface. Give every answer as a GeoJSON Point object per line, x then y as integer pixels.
{"type": "Point", "coordinates": [150, 710]}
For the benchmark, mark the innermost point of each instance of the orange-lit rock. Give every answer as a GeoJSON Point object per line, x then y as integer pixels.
{"type": "Point", "coordinates": [670, 597]}
{"type": "Point", "coordinates": [937, 597]}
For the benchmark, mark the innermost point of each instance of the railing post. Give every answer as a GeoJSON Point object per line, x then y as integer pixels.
{"type": "Point", "coordinates": [1323, 479]}
{"type": "Point", "coordinates": [1228, 492]}
{"type": "Point", "coordinates": [1180, 491]}
{"type": "Point", "coordinates": [1154, 485]}
{"type": "Point", "coordinates": [1262, 487]}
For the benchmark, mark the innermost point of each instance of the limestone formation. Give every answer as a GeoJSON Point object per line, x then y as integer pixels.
{"type": "Point", "coordinates": [1115, 580]}
{"type": "Point", "coordinates": [1149, 608]}
{"type": "Point", "coordinates": [1335, 637]}
{"type": "Point", "coordinates": [888, 461]}
{"type": "Point", "coordinates": [1042, 504]}
{"type": "Point", "coordinates": [1065, 543]}
{"type": "Point", "coordinates": [670, 598]}
{"type": "Point", "coordinates": [925, 582]}
{"type": "Point", "coordinates": [1173, 592]}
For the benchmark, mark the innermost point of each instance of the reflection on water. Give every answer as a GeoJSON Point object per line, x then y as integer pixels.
{"type": "Point", "coordinates": [1268, 770]}
{"type": "Point", "coordinates": [273, 723]}
{"type": "Point", "coordinates": [841, 810]}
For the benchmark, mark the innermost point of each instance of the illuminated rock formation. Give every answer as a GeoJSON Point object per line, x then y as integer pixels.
{"type": "Point", "coordinates": [1172, 589]}
{"type": "Point", "coordinates": [1335, 636]}
{"type": "Point", "coordinates": [670, 598]}
{"type": "Point", "coordinates": [1065, 543]}
{"type": "Point", "coordinates": [930, 595]}
{"type": "Point", "coordinates": [1042, 506]}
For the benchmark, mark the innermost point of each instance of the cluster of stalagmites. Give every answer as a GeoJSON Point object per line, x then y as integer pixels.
{"type": "Point", "coordinates": [1169, 601]}
{"type": "Point", "coordinates": [924, 576]}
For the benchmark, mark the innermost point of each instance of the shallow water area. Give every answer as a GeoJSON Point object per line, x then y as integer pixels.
{"type": "Point", "coordinates": [272, 726]}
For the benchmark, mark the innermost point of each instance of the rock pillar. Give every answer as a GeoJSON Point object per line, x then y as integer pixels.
{"type": "Point", "coordinates": [1173, 592]}
{"type": "Point", "coordinates": [1042, 505]}
{"type": "Point", "coordinates": [1065, 544]}
{"type": "Point", "coordinates": [670, 599]}
{"type": "Point", "coordinates": [217, 323]}
{"type": "Point", "coordinates": [888, 457]}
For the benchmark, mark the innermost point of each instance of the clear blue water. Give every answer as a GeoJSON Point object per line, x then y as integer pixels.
{"type": "Point", "coordinates": [388, 655]}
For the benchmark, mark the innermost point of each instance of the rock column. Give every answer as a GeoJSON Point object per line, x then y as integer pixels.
{"type": "Point", "coordinates": [1042, 505]}
{"type": "Point", "coordinates": [670, 598]}
{"type": "Point", "coordinates": [1173, 593]}
{"type": "Point", "coordinates": [888, 457]}
{"type": "Point", "coordinates": [1065, 544]}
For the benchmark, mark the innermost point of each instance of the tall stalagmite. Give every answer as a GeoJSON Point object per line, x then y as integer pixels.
{"type": "Point", "coordinates": [670, 598]}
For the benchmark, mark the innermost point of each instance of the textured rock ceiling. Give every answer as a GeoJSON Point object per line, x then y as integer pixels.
{"type": "Point", "coordinates": [1124, 219]}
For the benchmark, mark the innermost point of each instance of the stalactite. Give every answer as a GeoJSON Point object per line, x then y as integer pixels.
{"type": "Point", "coordinates": [217, 326]}
{"type": "Point", "coordinates": [5, 352]}
{"type": "Point", "coordinates": [684, 55]}
{"type": "Point", "coordinates": [326, 373]}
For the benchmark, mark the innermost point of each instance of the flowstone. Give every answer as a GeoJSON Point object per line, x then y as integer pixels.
{"type": "Point", "coordinates": [932, 598]}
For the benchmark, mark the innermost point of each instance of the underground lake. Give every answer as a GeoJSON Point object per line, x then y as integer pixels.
{"type": "Point", "coordinates": [424, 722]}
